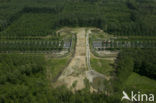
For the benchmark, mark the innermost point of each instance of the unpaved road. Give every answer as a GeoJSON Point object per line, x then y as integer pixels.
{"type": "Point", "coordinates": [74, 72]}
{"type": "Point", "coordinates": [91, 74]}
{"type": "Point", "coordinates": [79, 68]}
{"type": "Point", "coordinates": [88, 50]}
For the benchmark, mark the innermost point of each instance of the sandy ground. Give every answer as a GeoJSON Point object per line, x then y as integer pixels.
{"type": "Point", "coordinates": [108, 53]}
{"type": "Point", "coordinates": [56, 54]}
{"type": "Point", "coordinates": [106, 57]}
{"type": "Point", "coordinates": [74, 72]}
{"type": "Point", "coordinates": [79, 68]}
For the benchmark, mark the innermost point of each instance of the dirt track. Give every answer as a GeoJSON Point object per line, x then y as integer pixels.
{"type": "Point", "coordinates": [79, 68]}
{"type": "Point", "coordinates": [75, 71]}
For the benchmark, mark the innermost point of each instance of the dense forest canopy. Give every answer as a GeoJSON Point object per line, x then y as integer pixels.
{"type": "Point", "coordinates": [139, 61]}
{"type": "Point", "coordinates": [121, 17]}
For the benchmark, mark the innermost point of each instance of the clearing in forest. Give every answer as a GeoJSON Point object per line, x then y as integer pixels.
{"type": "Point", "coordinates": [79, 67]}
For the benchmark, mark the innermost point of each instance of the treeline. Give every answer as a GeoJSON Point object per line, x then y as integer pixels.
{"type": "Point", "coordinates": [31, 46]}
{"type": "Point", "coordinates": [31, 24]}
{"type": "Point", "coordinates": [14, 36]}
{"type": "Point", "coordinates": [123, 44]}
{"type": "Point", "coordinates": [141, 61]}
{"type": "Point", "coordinates": [123, 17]}
{"type": "Point", "coordinates": [17, 15]}
{"type": "Point", "coordinates": [131, 17]}
{"type": "Point", "coordinates": [42, 10]}
{"type": "Point", "coordinates": [131, 27]}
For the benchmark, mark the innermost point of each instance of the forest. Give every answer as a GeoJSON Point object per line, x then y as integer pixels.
{"type": "Point", "coordinates": [139, 61]}
{"type": "Point", "coordinates": [133, 64]}
{"type": "Point", "coordinates": [122, 17]}
{"type": "Point", "coordinates": [26, 24]}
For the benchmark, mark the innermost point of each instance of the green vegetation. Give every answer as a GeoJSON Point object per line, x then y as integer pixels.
{"type": "Point", "coordinates": [138, 82]}
{"type": "Point", "coordinates": [30, 46]}
{"type": "Point", "coordinates": [102, 66]}
{"type": "Point", "coordinates": [31, 24]}
{"type": "Point", "coordinates": [100, 36]}
{"type": "Point", "coordinates": [23, 79]}
{"type": "Point", "coordinates": [56, 66]}
{"type": "Point", "coordinates": [140, 61]}
{"type": "Point", "coordinates": [123, 17]}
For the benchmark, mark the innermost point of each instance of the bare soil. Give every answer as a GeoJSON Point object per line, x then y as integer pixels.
{"type": "Point", "coordinates": [74, 72]}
